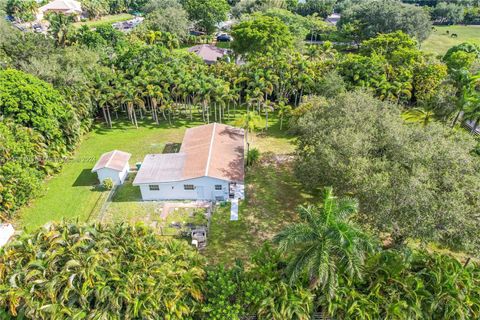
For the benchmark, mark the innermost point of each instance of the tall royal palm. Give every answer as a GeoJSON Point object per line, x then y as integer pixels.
{"type": "Point", "coordinates": [326, 244]}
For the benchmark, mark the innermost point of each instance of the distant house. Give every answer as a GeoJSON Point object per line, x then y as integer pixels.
{"type": "Point", "coordinates": [67, 7]}
{"type": "Point", "coordinates": [6, 232]}
{"type": "Point", "coordinates": [333, 18]}
{"type": "Point", "coordinates": [113, 165]}
{"type": "Point", "coordinates": [210, 54]}
{"type": "Point", "coordinates": [209, 166]}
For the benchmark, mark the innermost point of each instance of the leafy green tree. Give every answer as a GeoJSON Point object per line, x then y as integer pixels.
{"type": "Point", "coordinates": [320, 7]}
{"type": "Point", "coordinates": [249, 121]}
{"type": "Point", "coordinates": [407, 188]}
{"type": "Point", "coordinates": [33, 103]}
{"type": "Point", "coordinates": [462, 56]}
{"type": "Point", "coordinates": [325, 244]}
{"type": "Point", "coordinates": [261, 34]}
{"type": "Point", "coordinates": [372, 17]}
{"type": "Point", "coordinates": [87, 37]}
{"type": "Point", "coordinates": [393, 66]}
{"type": "Point", "coordinates": [113, 271]}
{"type": "Point", "coordinates": [24, 10]}
{"type": "Point", "coordinates": [299, 26]}
{"type": "Point", "coordinates": [173, 20]}
{"type": "Point", "coordinates": [206, 14]}
{"type": "Point", "coordinates": [95, 8]}
{"type": "Point", "coordinates": [23, 160]}
{"type": "Point", "coordinates": [448, 13]}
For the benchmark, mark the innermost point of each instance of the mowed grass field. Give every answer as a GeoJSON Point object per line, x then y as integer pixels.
{"type": "Point", "coordinates": [108, 19]}
{"type": "Point", "coordinates": [439, 41]}
{"type": "Point", "coordinates": [72, 193]}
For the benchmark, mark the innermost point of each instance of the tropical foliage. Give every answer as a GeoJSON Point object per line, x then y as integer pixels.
{"type": "Point", "coordinates": [366, 19]}
{"type": "Point", "coordinates": [118, 271]}
{"type": "Point", "coordinates": [325, 244]}
{"type": "Point", "coordinates": [412, 181]}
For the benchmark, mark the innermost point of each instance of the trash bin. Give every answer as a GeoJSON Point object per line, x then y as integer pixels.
{"type": "Point", "coordinates": [138, 165]}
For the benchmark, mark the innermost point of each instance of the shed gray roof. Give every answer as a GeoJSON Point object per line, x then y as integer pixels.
{"type": "Point", "coordinates": [158, 168]}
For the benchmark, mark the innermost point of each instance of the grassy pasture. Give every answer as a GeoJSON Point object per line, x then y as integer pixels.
{"type": "Point", "coordinates": [108, 19]}
{"type": "Point", "coordinates": [439, 41]}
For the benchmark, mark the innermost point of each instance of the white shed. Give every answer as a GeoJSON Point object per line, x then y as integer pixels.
{"type": "Point", "coordinates": [6, 232]}
{"type": "Point", "coordinates": [209, 166]}
{"type": "Point", "coordinates": [113, 165]}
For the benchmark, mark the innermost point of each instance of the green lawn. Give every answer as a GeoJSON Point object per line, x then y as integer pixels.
{"type": "Point", "coordinates": [72, 193]}
{"type": "Point", "coordinates": [109, 19]}
{"type": "Point", "coordinates": [272, 196]}
{"type": "Point", "coordinates": [439, 41]}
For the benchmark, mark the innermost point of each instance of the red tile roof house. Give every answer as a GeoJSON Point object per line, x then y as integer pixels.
{"type": "Point", "coordinates": [209, 166]}
{"type": "Point", "coordinates": [113, 165]}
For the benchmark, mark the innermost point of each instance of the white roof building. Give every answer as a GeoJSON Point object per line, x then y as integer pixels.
{"type": "Point", "coordinates": [68, 7]}
{"type": "Point", "coordinates": [6, 232]}
{"type": "Point", "coordinates": [113, 165]}
{"type": "Point", "coordinates": [209, 166]}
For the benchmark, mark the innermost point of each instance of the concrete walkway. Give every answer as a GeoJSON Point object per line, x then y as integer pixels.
{"type": "Point", "coordinates": [234, 210]}
{"type": "Point", "coordinates": [239, 194]}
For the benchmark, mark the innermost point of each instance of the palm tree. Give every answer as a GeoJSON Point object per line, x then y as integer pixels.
{"type": "Point", "coordinates": [326, 244]}
{"type": "Point", "coordinates": [466, 85]}
{"type": "Point", "coordinates": [60, 26]}
{"type": "Point", "coordinates": [249, 121]}
{"type": "Point", "coordinates": [472, 111]}
{"type": "Point", "coordinates": [419, 115]}
{"type": "Point", "coordinates": [283, 110]}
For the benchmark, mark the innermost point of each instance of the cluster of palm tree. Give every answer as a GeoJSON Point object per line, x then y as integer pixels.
{"type": "Point", "coordinates": [103, 271]}
{"type": "Point", "coordinates": [355, 279]}
{"type": "Point", "coordinates": [165, 84]}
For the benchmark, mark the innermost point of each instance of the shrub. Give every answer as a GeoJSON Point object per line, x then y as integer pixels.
{"type": "Point", "coordinates": [107, 184]}
{"type": "Point", "coordinates": [253, 156]}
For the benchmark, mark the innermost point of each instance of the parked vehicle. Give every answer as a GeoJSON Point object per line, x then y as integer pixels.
{"type": "Point", "coordinates": [197, 33]}
{"type": "Point", "coordinates": [224, 38]}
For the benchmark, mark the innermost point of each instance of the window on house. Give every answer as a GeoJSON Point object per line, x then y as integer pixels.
{"type": "Point", "coordinates": [188, 187]}
{"type": "Point", "coordinates": [154, 187]}
{"type": "Point", "coordinates": [218, 187]}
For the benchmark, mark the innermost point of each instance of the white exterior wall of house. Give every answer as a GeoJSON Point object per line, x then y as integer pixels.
{"type": "Point", "coordinates": [118, 177]}
{"type": "Point", "coordinates": [204, 190]}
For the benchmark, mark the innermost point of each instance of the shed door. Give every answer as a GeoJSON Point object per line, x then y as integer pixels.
{"type": "Point", "coordinates": [200, 192]}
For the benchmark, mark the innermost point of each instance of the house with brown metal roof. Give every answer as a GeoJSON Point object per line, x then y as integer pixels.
{"type": "Point", "coordinates": [209, 166]}
{"type": "Point", "coordinates": [210, 54]}
{"type": "Point", "coordinates": [113, 165]}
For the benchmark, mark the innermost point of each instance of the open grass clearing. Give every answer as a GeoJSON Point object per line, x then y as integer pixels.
{"type": "Point", "coordinates": [127, 206]}
{"type": "Point", "coordinates": [439, 41]}
{"type": "Point", "coordinates": [105, 20]}
{"type": "Point", "coordinates": [72, 193]}
{"type": "Point", "coordinates": [272, 196]}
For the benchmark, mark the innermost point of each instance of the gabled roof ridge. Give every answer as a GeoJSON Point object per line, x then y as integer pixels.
{"type": "Point", "coordinates": [207, 166]}
{"type": "Point", "coordinates": [110, 158]}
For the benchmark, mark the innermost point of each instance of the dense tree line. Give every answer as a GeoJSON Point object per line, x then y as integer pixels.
{"type": "Point", "coordinates": [40, 129]}
{"type": "Point", "coordinates": [121, 271]}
